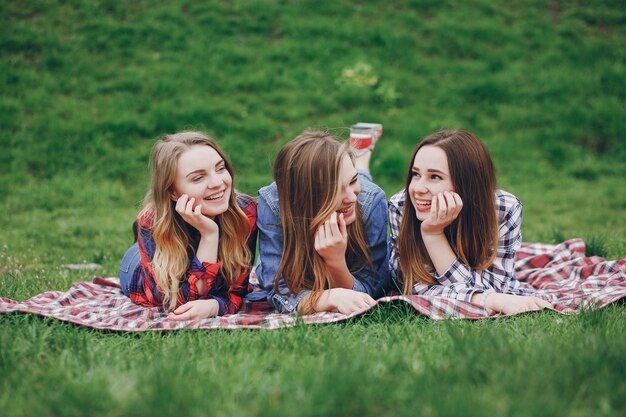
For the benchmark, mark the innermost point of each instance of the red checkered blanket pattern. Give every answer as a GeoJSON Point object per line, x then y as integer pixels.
{"type": "Point", "coordinates": [559, 273]}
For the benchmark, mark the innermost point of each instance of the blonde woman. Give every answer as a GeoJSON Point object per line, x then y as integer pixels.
{"type": "Point", "coordinates": [196, 234]}
{"type": "Point", "coordinates": [453, 233]}
{"type": "Point", "coordinates": [322, 230]}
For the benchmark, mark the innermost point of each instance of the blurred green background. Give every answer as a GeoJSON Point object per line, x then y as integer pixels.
{"type": "Point", "coordinates": [87, 87]}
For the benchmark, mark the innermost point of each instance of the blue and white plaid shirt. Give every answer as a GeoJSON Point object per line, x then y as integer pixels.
{"type": "Point", "coordinates": [460, 281]}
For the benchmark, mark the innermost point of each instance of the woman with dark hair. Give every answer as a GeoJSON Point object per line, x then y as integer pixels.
{"type": "Point", "coordinates": [453, 233]}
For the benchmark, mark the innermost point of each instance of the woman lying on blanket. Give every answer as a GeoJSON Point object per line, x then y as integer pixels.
{"type": "Point", "coordinates": [197, 235]}
{"type": "Point", "coordinates": [322, 230]}
{"type": "Point", "coordinates": [453, 239]}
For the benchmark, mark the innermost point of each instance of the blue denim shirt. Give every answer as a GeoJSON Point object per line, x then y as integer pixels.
{"type": "Point", "coordinates": [373, 206]}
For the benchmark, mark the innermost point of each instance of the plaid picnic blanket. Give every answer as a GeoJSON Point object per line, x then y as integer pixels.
{"type": "Point", "coordinates": [559, 273]}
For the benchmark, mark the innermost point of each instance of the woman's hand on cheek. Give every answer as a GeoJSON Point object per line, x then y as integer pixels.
{"type": "Point", "coordinates": [192, 214]}
{"type": "Point", "coordinates": [444, 208]}
{"type": "Point", "coordinates": [331, 240]}
{"type": "Point", "coordinates": [194, 310]}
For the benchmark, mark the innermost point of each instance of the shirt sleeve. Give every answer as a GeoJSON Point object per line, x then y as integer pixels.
{"type": "Point", "coordinates": [373, 281]}
{"type": "Point", "coordinates": [233, 299]}
{"type": "Point", "coordinates": [232, 302]}
{"type": "Point", "coordinates": [395, 217]}
{"type": "Point", "coordinates": [270, 255]}
{"type": "Point", "coordinates": [144, 289]}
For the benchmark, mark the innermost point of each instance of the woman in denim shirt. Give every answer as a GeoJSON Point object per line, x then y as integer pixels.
{"type": "Point", "coordinates": [327, 251]}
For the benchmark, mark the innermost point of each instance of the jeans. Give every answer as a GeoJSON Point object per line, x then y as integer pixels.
{"type": "Point", "coordinates": [130, 263]}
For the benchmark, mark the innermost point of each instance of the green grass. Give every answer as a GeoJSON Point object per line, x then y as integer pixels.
{"type": "Point", "coordinates": [86, 88]}
{"type": "Point", "coordinates": [386, 363]}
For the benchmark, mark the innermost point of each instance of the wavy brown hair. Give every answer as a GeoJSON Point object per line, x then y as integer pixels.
{"type": "Point", "coordinates": [307, 174]}
{"type": "Point", "coordinates": [473, 235]}
{"type": "Point", "coordinates": [175, 240]}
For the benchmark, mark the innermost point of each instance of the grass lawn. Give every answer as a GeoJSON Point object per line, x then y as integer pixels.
{"type": "Point", "coordinates": [86, 88]}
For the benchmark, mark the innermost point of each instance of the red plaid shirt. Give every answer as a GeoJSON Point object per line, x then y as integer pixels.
{"type": "Point", "coordinates": [144, 290]}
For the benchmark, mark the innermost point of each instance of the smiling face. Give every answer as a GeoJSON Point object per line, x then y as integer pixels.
{"type": "Point", "coordinates": [350, 189]}
{"type": "Point", "coordinates": [201, 174]}
{"type": "Point", "coordinates": [430, 175]}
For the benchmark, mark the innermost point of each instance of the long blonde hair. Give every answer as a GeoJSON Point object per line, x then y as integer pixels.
{"type": "Point", "coordinates": [176, 241]}
{"type": "Point", "coordinates": [474, 234]}
{"type": "Point", "coordinates": [307, 174]}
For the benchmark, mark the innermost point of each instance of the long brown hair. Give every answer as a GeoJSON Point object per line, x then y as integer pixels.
{"type": "Point", "coordinates": [474, 234]}
{"type": "Point", "coordinates": [307, 174]}
{"type": "Point", "coordinates": [175, 240]}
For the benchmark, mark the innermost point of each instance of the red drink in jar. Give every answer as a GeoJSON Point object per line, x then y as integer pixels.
{"type": "Point", "coordinates": [363, 137]}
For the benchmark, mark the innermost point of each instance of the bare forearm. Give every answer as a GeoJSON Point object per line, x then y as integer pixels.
{"type": "Point", "coordinates": [207, 248]}
{"type": "Point", "coordinates": [340, 276]}
{"type": "Point", "coordinates": [440, 252]}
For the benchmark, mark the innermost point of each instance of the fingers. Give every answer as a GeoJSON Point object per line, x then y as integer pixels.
{"type": "Point", "coordinates": [181, 203]}
{"type": "Point", "coordinates": [320, 238]}
{"type": "Point", "coordinates": [185, 205]}
{"type": "Point", "coordinates": [189, 206]}
{"type": "Point", "coordinates": [190, 209]}
{"type": "Point", "coordinates": [331, 232]}
{"type": "Point", "coordinates": [453, 210]}
{"type": "Point", "coordinates": [182, 313]}
{"type": "Point", "coordinates": [369, 301]}
{"type": "Point", "coordinates": [343, 229]}
{"type": "Point", "coordinates": [515, 304]}
{"type": "Point", "coordinates": [182, 309]}
{"type": "Point", "coordinates": [442, 209]}
{"type": "Point", "coordinates": [445, 207]}
{"type": "Point", "coordinates": [356, 301]}
{"type": "Point", "coordinates": [450, 205]}
{"type": "Point", "coordinates": [434, 207]}
{"type": "Point", "coordinates": [535, 304]}
{"type": "Point", "coordinates": [457, 199]}
{"type": "Point", "coordinates": [326, 229]}
{"type": "Point", "coordinates": [333, 225]}
{"type": "Point", "coordinates": [180, 317]}
{"type": "Point", "coordinates": [542, 303]}
{"type": "Point", "coordinates": [364, 301]}
{"type": "Point", "coordinates": [330, 229]}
